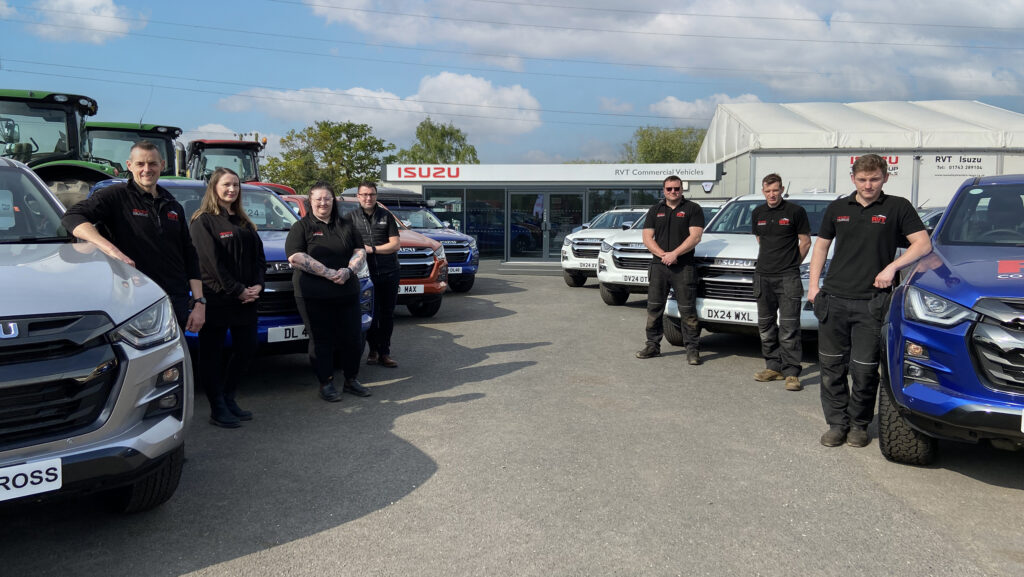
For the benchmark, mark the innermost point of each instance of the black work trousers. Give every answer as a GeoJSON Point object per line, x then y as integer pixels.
{"type": "Point", "coordinates": [385, 297]}
{"type": "Point", "coordinates": [221, 368]}
{"type": "Point", "coordinates": [682, 278]}
{"type": "Point", "coordinates": [335, 331]}
{"type": "Point", "coordinates": [849, 336]}
{"type": "Point", "coordinates": [778, 321]}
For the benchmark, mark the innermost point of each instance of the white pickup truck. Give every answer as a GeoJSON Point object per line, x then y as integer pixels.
{"type": "Point", "coordinates": [580, 249]}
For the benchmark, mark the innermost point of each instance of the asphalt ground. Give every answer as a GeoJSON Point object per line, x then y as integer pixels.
{"type": "Point", "coordinates": [519, 436]}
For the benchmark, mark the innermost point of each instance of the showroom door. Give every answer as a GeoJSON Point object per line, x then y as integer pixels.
{"type": "Point", "coordinates": [539, 221]}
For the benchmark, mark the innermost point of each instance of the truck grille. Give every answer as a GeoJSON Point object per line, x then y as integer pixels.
{"type": "Point", "coordinates": [586, 247]}
{"type": "Point", "coordinates": [39, 401]}
{"type": "Point", "coordinates": [415, 263]}
{"type": "Point", "coordinates": [725, 283]}
{"type": "Point", "coordinates": [456, 255]}
{"type": "Point", "coordinates": [278, 296]}
{"type": "Point", "coordinates": [999, 349]}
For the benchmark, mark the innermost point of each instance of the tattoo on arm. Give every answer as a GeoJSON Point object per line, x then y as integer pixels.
{"type": "Point", "coordinates": [358, 257]}
{"type": "Point", "coordinates": [306, 263]}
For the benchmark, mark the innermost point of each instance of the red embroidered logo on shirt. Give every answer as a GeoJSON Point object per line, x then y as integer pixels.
{"type": "Point", "coordinates": [680, 214]}
{"type": "Point", "coordinates": [784, 221]}
{"type": "Point", "coordinates": [660, 214]}
{"type": "Point", "coordinates": [842, 219]}
{"type": "Point", "coordinates": [878, 219]}
{"type": "Point", "coordinates": [139, 212]}
{"type": "Point", "coordinates": [227, 234]}
{"type": "Point", "coordinates": [171, 215]}
{"type": "Point", "coordinates": [762, 223]}
{"type": "Point", "coordinates": [318, 233]}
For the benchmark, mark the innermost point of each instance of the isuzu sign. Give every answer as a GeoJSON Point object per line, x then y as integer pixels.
{"type": "Point", "coordinates": [547, 173]}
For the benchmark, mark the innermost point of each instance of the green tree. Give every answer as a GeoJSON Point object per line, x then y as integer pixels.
{"type": "Point", "coordinates": [439, 144]}
{"type": "Point", "coordinates": [653, 144]}
{"type": "Point", "coordinates": [341, 153]}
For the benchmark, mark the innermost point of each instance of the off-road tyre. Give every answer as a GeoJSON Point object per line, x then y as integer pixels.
{"type": "Point", "coordinates": [613, 297]}
{"type": "Point", "coordinates": [673, 331]}
{"type": "Point", "coordinates": [462, 284]}
{"type": "Point", "coordinates": [898, 441]}
{"type": "Point", "coordinates": [150, 491]}
{"type": "Point", "coordinates": [574, 279]}
{"type": "Point", "coordinates": [424, 309]}
{"type": "Point", "coordinates": [69, 191]}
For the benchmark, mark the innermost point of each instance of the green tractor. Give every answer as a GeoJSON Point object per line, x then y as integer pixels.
{"type": "Point", "coordinates": [46, 131]}
{"type": "Point", "coordinates": [114, 140]}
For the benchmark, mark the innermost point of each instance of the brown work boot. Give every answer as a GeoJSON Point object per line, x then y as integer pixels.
{"type": "Point", "coordinates": [386, 361]}
{"type": "Point", "coordinates": [793, 383]}
{"type": "Point", "coordinates": [372, 358]}
{"type": "Point", "coordinates": [768, 375]}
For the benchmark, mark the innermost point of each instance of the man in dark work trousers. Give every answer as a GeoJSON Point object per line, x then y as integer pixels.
{"type": "Point", "coordinates": [784, 237]}
{"type": "Point", "coordinates": [380, 235]}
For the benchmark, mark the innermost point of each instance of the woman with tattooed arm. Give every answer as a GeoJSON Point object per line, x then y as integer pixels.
{"type": "Point", "coordinates": [324, 249]}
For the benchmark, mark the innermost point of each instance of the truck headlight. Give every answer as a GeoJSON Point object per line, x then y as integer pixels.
{"type": "Point", "coordinates": [153, 326]}
{"type": "Point", "coordinates": [472, 243]}
{"type": "Point", "coordinates": [567, 242]}
{"type": "Point", "coordinates": [605, 247]}
{"type": "Point", "coordinates": [439, 253]}
{"type": "Point", "coordinates": [934, 310]}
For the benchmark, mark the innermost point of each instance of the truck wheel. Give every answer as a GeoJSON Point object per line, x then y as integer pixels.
{"type": "Point", "coordinates": [424, 309]}
{"type": "Point", "coordinates": [673, 331]}
{"type": "Point", "coordinates": [612, 296]}
{"type": "Point", "coordinates": [70, 191]}
{"type": "Point", "coordinates": [573, 279]}
{"type": "Point", "coordinates": [898, 441]}
{"type": "Point", "coordinates": [462, 284]}
{"type": "Point", "coordinates": [152, 490]}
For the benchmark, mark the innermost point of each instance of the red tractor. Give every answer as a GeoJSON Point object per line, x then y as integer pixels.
{"type": "Point", "coordinates": [241, 156]}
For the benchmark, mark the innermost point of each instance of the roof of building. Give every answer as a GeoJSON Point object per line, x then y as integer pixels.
{"type": "Point", "coordinates": [885, 125]}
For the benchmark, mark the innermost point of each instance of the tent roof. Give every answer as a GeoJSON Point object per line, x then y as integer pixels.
{"type": "Point", "coordinates": [933, 124]}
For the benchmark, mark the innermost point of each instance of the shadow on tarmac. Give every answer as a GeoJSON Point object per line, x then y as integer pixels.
{"type": "Point", "coordinates": [300, 467]}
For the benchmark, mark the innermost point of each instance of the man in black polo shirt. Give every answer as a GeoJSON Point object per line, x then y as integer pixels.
{"type": "Point", "coordinates": [672, 229]}
{"type": "Point", "coordinates": [867, 227]}
{"type": "Point", "coordinates": [784, 237]}
{"type": "Point", "coordinates": [379, 230]}
{"type": "Point", "coordinates": [148, 230]}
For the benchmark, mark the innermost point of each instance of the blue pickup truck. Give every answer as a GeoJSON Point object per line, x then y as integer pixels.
{"type": "Point", "coordinates": [953, 341]}
{"type": "Point", "coordinates": [279, 326]}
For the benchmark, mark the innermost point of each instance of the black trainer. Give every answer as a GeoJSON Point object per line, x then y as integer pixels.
{"type": "Point", "coordinates": [834, 436]}
{"type": "Point", "coordinates": [648, 352]}
{"type": "Point", "coordinates": [237, 411]}
{"type": "Point", "coordinates": [223, 418]}
{"type": "Point", "coordinates": [857, 437]}
{"type": "Point", "coordinates": [329, 393]}
{"type": "Point", "coordinates": [693, 357]}
{"type": "Point", "coordinates": [354, 387]}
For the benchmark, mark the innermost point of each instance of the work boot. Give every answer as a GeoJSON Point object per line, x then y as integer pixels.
{"type": "Point", "coordinates": [793, 383]}
{"type": "Point", "coordinates": [693, 357]}
{"type": "Point", "coordinates": [354, 387]}
{"type": "Point", "coordinates": [237, 411]}
{"type": "Point", "coordinates": [766, 375]}
{"type": "Point", "coordinates": [857, 437]}
{"type": "Point", "coordinates": [834, 436]}
{"type": "Point", "coordinates": [371, 359]}
{"type": "Point", "coordinates": [220, 416]}
{"type": "Point", "coordinates": [648, 352]}
{"type": "Point", "coordinates": [329, 393]}
{"type": "Point", "coordinates": [387, 361]}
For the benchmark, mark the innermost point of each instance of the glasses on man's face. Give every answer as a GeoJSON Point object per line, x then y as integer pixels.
{"type": "Point", "coordinates": [673, 188]}
{"type": "Point", "coordinates": [367, 195]}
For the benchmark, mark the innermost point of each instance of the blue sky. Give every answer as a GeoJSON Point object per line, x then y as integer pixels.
{"type": "Point", "coordinates": [529, 81]}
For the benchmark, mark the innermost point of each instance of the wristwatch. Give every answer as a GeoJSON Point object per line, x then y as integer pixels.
{"type": "Point", "coordinates": [200, 300]}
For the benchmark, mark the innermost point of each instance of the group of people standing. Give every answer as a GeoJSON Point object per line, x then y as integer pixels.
{"type": "Point", "coordinates": [866, 226]}
{"type": "Point", "coordinates": [212, 272]}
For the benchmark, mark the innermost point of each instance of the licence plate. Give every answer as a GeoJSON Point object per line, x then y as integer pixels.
{"type": "Point", "coordinates": [713, 314]}
{"type": "Point", "coordinates": [637, 278]}
{"type": "Point", "coordinates": [289, 333]}
{"type": "Point", "coordinates": [455, 270]}
{"type": "Point", "coordinates": [30, 479]}
{"type": "Point", "coordinates": [411, 289]}
{"type": "Point", "coordinates": [588, 265]}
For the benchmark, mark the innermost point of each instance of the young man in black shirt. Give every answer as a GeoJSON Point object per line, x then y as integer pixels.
{"type": "Point", "coordinates": [866, 226]}
{"type": "Point", "coordinates": [379, 230]}
{"type": "Point", "coordinates": [148, 230]}
{"type": "Point", "coordinates": [672, 229]}
{"type": "Point", "coordinates": [784, 237]}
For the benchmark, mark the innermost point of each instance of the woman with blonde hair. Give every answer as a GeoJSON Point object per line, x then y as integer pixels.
{"type": "Point", "coordinates": [232, 264]}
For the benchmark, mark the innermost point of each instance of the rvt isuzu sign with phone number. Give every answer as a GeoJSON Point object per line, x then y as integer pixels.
{"type": "Point", "coordinates": [499, 173]}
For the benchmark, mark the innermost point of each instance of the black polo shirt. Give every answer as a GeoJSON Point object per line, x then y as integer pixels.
{"type": "Point", "coordinates": [152, 231]}
{"type": "Point", "coordinates": [376, 228]}
{"type": "Point", "coordinates": [866, 238]}
{"type": "Point", "coordinates": [778, 231]}
{"type": "Point", "coordinates": [331, 244]}
{"type": "Point", "coordinates": [672, 225]}
{"type": "Point", "coordinates": [230, 255]}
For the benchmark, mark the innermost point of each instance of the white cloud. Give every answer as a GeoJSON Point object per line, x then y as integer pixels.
{"type": "Point", "coordinates": [698, 112]}
{"type": "Point", "coordinates": [475, 105]}
{"type": "Point", "coordinates": [615, 106]}
{"type": "Point", "coordinates": [6, 11]}
{"type": "Point", "coordinates": [91, 21]}
{"type": "Point", "coordinates": [800, 50]}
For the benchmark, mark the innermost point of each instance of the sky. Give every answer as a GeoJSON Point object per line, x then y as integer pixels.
{"type": "Point", "coordinates": [528, 81]}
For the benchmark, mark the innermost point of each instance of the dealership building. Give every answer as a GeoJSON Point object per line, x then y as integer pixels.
{"type": "Point", "coordinates": [931, 146]}
{"type": "Point", "coordinates": [524, 211]}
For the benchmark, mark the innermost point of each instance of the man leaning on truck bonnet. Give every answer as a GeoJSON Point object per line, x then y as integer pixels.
{"type": "Point", "coordinates": [148, 230]}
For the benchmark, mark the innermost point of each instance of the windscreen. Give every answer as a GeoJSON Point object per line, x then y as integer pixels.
{"type": "Point", "coordinates": [29, 132]}
{"type": "Point", "coordinates": [615, 219]}
{"type": "Point", "coordinates": [265, 209]}
{"type": "Point", "coordinates": [986, 215]}
{"type": "Point", "coordinates": [27, 212]}
{"type": "Point", "coordinates": [735, 217]}
{"type": "Point", "coordinates": [417, 218]}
